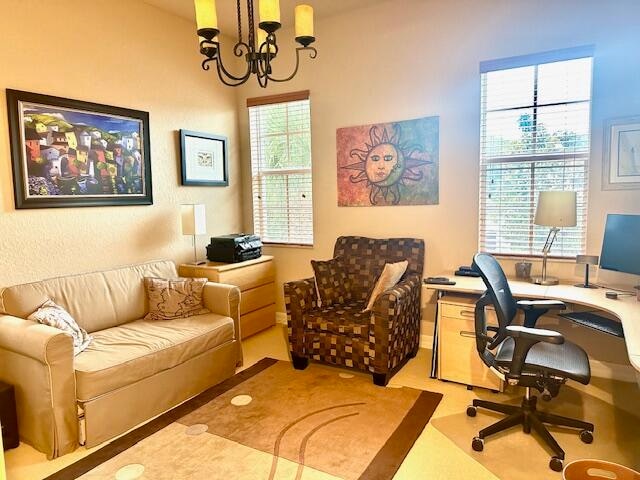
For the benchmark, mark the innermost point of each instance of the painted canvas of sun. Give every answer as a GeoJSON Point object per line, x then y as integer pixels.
{"type": "Point", "coordinates": [392, 163]}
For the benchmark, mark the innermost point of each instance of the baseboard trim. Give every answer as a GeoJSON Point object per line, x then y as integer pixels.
{"type": "Point", "coordinates": [426, 341]}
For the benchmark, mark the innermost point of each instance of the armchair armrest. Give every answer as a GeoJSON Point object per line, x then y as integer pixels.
{"type": "Point", "coordinates": [534, 309]}
{"type": "Point", "coordinates": [224, 300]}
{"type": "Point", "coordinates": [299, 297]}
{"type": "Point", "coordinates": [395, 320]}
{"type": "Point", "coordinates": [525, 338]}
{"type": "Point", "coordinates": [38, 361]}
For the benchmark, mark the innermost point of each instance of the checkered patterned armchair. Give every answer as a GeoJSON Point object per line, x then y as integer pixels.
{"type": "Point", "coordinates": [379, 341]}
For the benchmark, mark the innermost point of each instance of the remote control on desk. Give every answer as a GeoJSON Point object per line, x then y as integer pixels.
{"type": "Point", "coordinates": [438, 281]}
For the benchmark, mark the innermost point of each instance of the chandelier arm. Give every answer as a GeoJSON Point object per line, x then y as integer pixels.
{"type": "Point", "coordinates": [230, 81]}
{"type": "Point", "coordinates": [222, 68]}
{"type": "Point", "coordinates": [313, 53]}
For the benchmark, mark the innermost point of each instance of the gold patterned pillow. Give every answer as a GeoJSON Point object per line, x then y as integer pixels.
{"type": "Point", "coordinates": [174, 298]}
{"type": "Point", "coordinates": [49, 313]}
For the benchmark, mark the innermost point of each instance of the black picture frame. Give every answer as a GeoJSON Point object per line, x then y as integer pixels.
{"type": "Point", "coordinates": [218, 143]}
{"type": "Point", "coordinates": [97, 181]}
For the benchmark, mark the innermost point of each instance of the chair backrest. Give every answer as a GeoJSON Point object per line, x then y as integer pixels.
{"type": "Point", "coordinates": [365, 258]}
{"type": "Point", "coordinates": [497, 288]}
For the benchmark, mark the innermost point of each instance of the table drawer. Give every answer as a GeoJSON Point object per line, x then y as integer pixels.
{"type": "Point", "coordinates": [257, 320]}
{"type": "Point", "coordinates": [459, 359]}
{"type": "Point", "coordinates": [258, 297]}
{"type": "Point", "coordinates": [457, 311]}
{"type": "Point", "coordinates": [250, 276]}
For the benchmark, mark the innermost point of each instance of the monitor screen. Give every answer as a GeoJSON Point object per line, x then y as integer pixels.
{"type": "Point", "coordinates": [621, 244]}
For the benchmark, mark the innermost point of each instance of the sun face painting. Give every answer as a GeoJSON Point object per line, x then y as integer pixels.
{"type": "Point", "coordinates": [389, 164]}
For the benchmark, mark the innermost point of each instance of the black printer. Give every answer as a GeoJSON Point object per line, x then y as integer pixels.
{"type": "Point", "coordinates": [234, 248]}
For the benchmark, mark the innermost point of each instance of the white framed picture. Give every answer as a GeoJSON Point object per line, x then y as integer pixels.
{"type": "Point", "coordinates": [204, 159]}
{"type": "Point", "coordinates": [621, 155]}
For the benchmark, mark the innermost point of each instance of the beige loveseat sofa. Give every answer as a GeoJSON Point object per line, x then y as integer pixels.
{"type": "Point", "coordinates": [132, 370]}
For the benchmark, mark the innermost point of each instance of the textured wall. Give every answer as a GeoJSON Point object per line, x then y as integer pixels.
{"type": "Point", "coordinates": [402, 60]}
{"type": "Point", "coordinates": [129, 54]}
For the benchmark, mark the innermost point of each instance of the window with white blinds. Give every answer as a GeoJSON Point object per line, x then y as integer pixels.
{"type": "Point", "coordinates": [280, 135]}
{"type": "Point", "coordinates": [535, 136]}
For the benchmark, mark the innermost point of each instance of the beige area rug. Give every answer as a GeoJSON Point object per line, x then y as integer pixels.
{"type": "Point", "coordinates": [514, 455]}
{"type": "Point", "coordinates": [272, 422]}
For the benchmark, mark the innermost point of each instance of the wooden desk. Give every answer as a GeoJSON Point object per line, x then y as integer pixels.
{"type": "Point", "coordinates": [625, 309]}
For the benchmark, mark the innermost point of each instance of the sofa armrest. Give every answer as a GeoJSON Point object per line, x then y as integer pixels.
{"type": "Point", "coordinates": [395, 320]}
{"type": "Point", "coordinates": [299, 298]}
{"type": "Point", "coordinates": [224, 300]}
{"type": "Point", "coordinates": [38, 361]}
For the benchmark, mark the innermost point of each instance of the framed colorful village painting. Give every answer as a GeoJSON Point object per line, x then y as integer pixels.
{"type": "Point", "coordinates": [393, 163]}
{"type": "Point", "coordinates": [69, 153]}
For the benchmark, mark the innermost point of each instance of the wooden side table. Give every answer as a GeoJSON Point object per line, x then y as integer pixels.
{"type": "Point", "coordinates": [256, 280]}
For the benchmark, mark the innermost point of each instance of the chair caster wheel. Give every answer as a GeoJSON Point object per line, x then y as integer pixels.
{"type": "Point", "coordinates": [471, 411]}
{"type": "Point", "coordinates": [477, 444]}
{"type": "Point", "coordinates": [555, 464]}
{"type": "Point", "coordinates": [586, 436]}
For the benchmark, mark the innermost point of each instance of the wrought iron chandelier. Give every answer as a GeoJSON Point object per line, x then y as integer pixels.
{"type": "Point", "coordinates": [261, 46]}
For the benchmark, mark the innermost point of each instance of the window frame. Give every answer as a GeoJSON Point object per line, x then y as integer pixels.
{"type": "Point", "coordinates": [533, 158]}
{"type": "Point", "coordinates": [258, 180]}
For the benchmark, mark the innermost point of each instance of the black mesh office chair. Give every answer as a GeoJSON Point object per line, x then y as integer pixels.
{"type": "Point", "coordinates": [527, 357]}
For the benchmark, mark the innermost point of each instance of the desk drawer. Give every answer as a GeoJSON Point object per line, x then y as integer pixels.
{"type": "Point", "coordinates": [457, 311]}
{"type": "Point", "coordinates": [258, 297]}
{"type": "Point", "coordinates": [458, 357]}
{"type": "Point", "coordinates": [250, 276]}
{"type": "Point", "coordinates": [257, 320]}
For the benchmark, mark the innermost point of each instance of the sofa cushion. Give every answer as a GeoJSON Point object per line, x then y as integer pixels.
{"type": "Point", "coordinates": [122, 355]}
{"type": "Point", "coordinates": [348, 319]}
{"type": "Point", "coordinates": [95, 300]}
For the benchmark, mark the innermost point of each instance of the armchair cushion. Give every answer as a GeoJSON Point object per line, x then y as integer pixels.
{"type": "Point", "coordinates": [331, 281]}
{"type": "Point", "coordinates": [346, 319]}
{"type": "Point", "coordinates": [389, 278]}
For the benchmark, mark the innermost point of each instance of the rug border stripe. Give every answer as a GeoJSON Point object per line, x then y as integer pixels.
{"type": "Point", "coordinates": [128, 440]}
{"type": "Point", "coordinates": [388, 460]}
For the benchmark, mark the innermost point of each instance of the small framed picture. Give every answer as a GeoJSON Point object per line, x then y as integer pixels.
{"type": "Point", "coordinates": [204, 159]}
{"type": "Point", "coordinates": [621, 155]}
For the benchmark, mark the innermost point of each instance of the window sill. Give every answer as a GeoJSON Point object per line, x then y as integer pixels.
{"type": "Point", "coordinates": [287, 245]}
{"type": "Point", "coordinates": [534, 258]}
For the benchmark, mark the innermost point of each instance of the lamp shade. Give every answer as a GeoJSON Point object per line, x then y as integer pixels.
{"type": "Point", "coordinates": [194, 220]}
{"type": "Point", "coordinates": [556, 209]}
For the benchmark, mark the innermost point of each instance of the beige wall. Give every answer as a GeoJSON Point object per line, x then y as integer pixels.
{"type": "Point", "coordinates": [401, 60]}
{"type": "Point", "coordinates": [129, 54]}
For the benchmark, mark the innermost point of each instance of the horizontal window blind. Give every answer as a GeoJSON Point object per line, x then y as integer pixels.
{"type": "Point", "coordinates": [280, 136]}
{"type": "Point", "coordinates": [535, 136]}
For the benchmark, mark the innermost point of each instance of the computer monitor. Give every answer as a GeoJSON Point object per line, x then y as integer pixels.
{"type": "Point", "coordinates": [621, 245]}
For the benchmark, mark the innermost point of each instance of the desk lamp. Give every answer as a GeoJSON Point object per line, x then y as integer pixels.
{"type": "Point", "coordinates": [194, 223]}
{"type": "Point", "coordinates": [555, 209]}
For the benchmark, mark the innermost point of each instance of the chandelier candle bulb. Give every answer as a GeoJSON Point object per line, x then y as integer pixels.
{"type": "Point", "coordinates": [304, 21]}
{"type": "Point", "coordinates": [262, 38]}
{"type": "Point", "coordinates": [269, 15]}
{"type": "Point", "coordinates": [206, 18]}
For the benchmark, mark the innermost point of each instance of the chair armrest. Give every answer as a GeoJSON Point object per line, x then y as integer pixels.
{"type": "Point", "coordinates": [537, 334]}
{"type": "Point", "coordinates": [224, 300]}
{"type": "Point", "coordinates": [524, 338]}
{"type": "Point", "coordinates": [38, 361]}
{"type": "Point", "coordinates": [395, 320]}
{"type": "Point", "coordinates": [534, 309]}
{"type": "Point", "coordinates": [541, 305]}
{"type": "Point", "coordinates": [299, 297]}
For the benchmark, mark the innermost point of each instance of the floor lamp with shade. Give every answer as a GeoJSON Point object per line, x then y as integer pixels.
{"type": "Point", "coordinates": [194, 223]}
{"type": "Point", "coordinates": [555, 209]}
